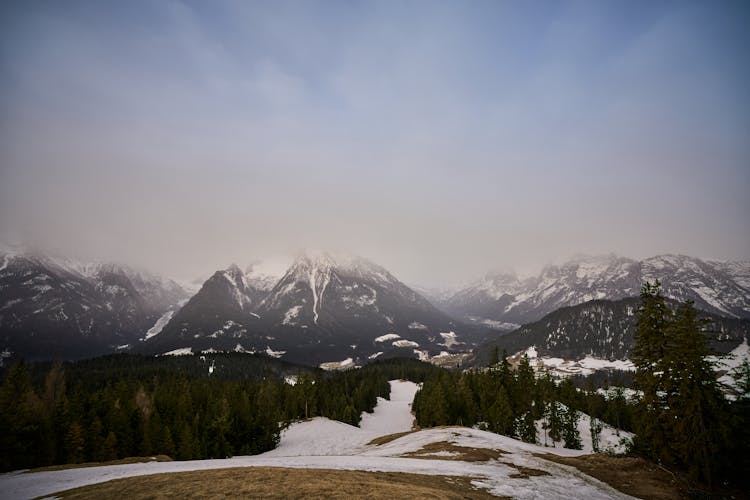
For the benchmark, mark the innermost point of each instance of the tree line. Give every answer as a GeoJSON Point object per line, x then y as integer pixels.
{"type": "Point", "coordinates": [121, 406]}
{"type": "Point", "coordinates": [510, 401]}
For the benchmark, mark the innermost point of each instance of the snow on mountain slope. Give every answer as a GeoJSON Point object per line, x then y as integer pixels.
{"type": "Point", "coordinates": [325, 444]}
{"type": "Point", "coordinates": [602, 329]}
{"type": "Point", "coordinates": [159, 325]}
{"type": "Point", "coordinates": [715, 287]}
{"type": "Point", "coordinates": [264, 274]}
{"type": "Point", "coordinates": [219, 316]}
{"type": "Point", "coordinates": [739, 271]}
{"type": "Point", "coordinates": [349, 303]}
{"type": "Point", "coordinates": [57, 308]}
{"type": "Point", "coordinates": [708, 285]}
{"type": "Point", "coordinates": [323, 309]}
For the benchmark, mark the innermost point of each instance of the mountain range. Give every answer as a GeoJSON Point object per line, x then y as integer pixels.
{"type": "Point", "coordinates": [344, 310]}
{"type": "Point", "coordinates": [505, 300]}
{"type": "Point", "coordinates": [323, 309]}
{"type": "Point", "coordinates": [602, 329]}
{"type": "Point", "coordinates": [58, 308]}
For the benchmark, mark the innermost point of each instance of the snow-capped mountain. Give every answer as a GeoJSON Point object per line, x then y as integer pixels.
{"type": "Point", "coordinates": [601, 329]}
{"type": "Point", "coordinates": [324, 308]}
{"type": "Point", "coordinates": [219, 316]}
{"type": "Point", "coordinates": [264, 274]}
{"type": "Point", "coordinates": [710, 286]}
{"type": "Point", "coordinates": [739, 271]}
{"type": "Point", "coordinates": [51, 307]}
{"type": "Point", "coordinates": [715, 287]}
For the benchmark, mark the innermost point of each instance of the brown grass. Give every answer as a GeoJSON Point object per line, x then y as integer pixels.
{"type": "Point", "coordinates": [525, 472]}
{"type": "Point", "coordinates": [277, 482]}
{"type": "Point", "coordinates": [460, 453]}
{"type": "Point", "coordinates": [633, 476]}
{"type": "Point", "coordinates": [128, 460]}
{"type": "Point", "coordinates": [388, 438]}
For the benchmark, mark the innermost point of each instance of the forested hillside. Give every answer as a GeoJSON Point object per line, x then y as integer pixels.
{"type": "Point", "coordinates": [120, 406]}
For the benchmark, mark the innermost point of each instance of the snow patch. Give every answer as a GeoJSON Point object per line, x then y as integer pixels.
{"type": "Point", "coordinates": [291, 316]}
{"type": "Point", "coordinates": [611, 440]}
{"type": "Point", "coordinates": [387, 337]}
{"type": "Point", "coordinates": [565, 367]}
{"type": "Point", "coordinates": [159, 325]}
{"type": "Point", "coordinates": [449, 338]}
{"type": "Point", "coordinates": [183, 351]}
{"type": "Point", "coordinates": [338, 365]}
{"type": "Point", "coordinates": [422, 355]}
{"type": "Point", "coordinates": [404, 343]}
{"type": "Point", "coordinates": [239, 348]}
{"type": "Point", "coordinates": [274, 354]}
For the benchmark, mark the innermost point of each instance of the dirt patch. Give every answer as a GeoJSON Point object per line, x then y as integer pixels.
{"type": "Point", "coordinates": [443, 450]}
{"type": "Point", "coordinates": [525, 472]}
{"type": "Point", "coordinates": [633, 476]}
{"type": "Point", "coordinates": [388, 438]}
{"type": "Point", "coordinates": [277, 482]}
{"type": "Point", "coordinates": [128, 460]}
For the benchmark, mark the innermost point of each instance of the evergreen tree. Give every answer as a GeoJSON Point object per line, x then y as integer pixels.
{"type": "Point", "coordinates": [554, 421]}
{"type": "Point", "coordinates": [697, 407]}
{"type": "Point", "coordinates": [571, 435]}
{"type": "Point", "coordinates": [652, 319]}
{"type": "Point", "coordinates": [74, 444]}
{"type": "Point", "coordinates": [741, 377]}
{"type": "Point", "coordinates": [526, 428]}
{"type": "Point", "coordinates": [500, 418]}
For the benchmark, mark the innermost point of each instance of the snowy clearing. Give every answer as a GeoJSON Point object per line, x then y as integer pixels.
{"type": "Point", "coordinates": [404, 343]}
{"type": "Point", "coordinates": [387, 337]}
{"type": "Point", "coordinates": [565, 367]}
{"type": "Point", "coordinates": [321, 443]}
{"type": "Point", "coordinates": [337, 365]}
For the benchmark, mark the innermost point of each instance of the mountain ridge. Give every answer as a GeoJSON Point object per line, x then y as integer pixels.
{"type": "Point", "coordinates": [713, 286]}
{"type": "Point", "coordinates": [325, 308]}
{"type": "Point", "coordinates": [58, 308]}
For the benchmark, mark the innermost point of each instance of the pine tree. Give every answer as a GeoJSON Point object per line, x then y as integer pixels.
{"type": "Point", "coordinates": [652, 436]}
{"type": "Point", "coordinates": [571, 436]}
{"type": "Point", "coordinates": [500, 418]}
{"type": "Point", "coordinates": [527, 428]}
{"type": "Point", "coordinates": [554, 421]}
{"type": "Point", "coordinates": [741, 377]}
{"type": "Point", "coordinates": [697, 407]}
{"type": "Point", "coordinates": [74, 444]}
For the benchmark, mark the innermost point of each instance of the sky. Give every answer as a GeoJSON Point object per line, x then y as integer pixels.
{"type": "Point", "coordinates": [441, 139]}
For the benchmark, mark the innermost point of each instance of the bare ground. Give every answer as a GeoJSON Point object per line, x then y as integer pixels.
{"type": "Point", "coordinates": [631, 475]}
{"type": "Point", "coordinates": [443, 450]}
{"type": "Point", "coordinates": [388, 438]}
{"type": "Point", "coordinates": [277, 482]}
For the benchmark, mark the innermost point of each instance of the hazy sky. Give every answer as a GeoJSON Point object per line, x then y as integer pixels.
{"type": "Point", "coordinates": [440, 139]}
